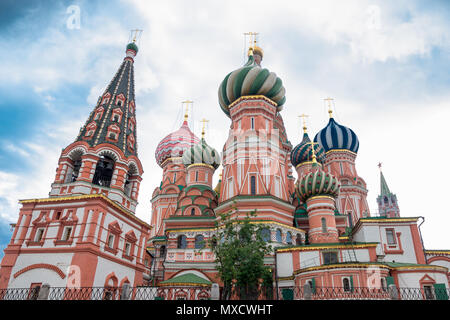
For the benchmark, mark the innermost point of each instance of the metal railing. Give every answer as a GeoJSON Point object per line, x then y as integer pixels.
{"type": "Point", "coordinates": [362, 293]}
{"type": "Point", "coordinates": [46, 292]}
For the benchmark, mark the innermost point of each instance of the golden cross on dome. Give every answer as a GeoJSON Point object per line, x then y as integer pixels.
{"type": "Point", "coordinates": [312, 143]}
{"type": "Point", "coordinates": [379, 165]}
{"type": "Point", "coordinates": [330, 110]}
{"type": "Point", "coordinates": [204, 121]}
{"type": "Point", "coordinates": [304, 116]}
{"type": "Point", "coordinates": [187, 103]}
{"type": "Point", "coordinates": [135, 33]}
{"type": "Point", "coordinates": [252, 40]}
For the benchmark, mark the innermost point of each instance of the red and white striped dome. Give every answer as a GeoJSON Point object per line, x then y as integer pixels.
{"type": "Point", "coordinates": [174, 144]}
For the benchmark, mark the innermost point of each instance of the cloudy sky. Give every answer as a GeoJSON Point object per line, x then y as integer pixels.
{"type": "Point", "coordinates": [385, 63]}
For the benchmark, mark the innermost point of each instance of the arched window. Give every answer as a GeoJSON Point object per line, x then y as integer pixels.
{"type": "Point", "coordinates": [103, 171]}
{"type": "Point", "coordinates": [199, 242]}
{"type": "Point", "coordinates": [193, 212]}
{"type": "Point", "coordinates": [279, 236]}
{"type": "Point", "coordinates": [252, 185]}
{"type": "Point", "coordinates": [298, 240]}
{"type": "Point", "coordinates": [162, 251]}
{"type": "Point", "coordinates": [265, 234]}
{"type": "Point", "coordinates": [288, 238]}
{"type": "Point", "coordinates": [181, 242]}
{"type": "Point", "coordinates": [76, 170]}
{"type": "Point", "coordinates": [346, 284]}
{"type": "Point", "coordinates": [128, 186]}
{"type": "Point", "coordinates": [324, 225]}
{"type": "Point", "coordinates": [386, 200]}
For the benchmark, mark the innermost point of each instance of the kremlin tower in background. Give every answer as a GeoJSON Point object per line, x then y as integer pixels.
{"type": "Point", "coordinates": [320, 229]}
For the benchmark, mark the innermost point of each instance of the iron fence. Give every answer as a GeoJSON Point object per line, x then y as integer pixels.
{"type": "Point", "coordinates": [362, 293]}
{"type": "Point", "coordinates": [199, 293]}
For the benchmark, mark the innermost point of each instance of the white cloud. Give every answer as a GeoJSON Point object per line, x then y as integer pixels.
{"type": "Point", "coordinates": [186, 50]}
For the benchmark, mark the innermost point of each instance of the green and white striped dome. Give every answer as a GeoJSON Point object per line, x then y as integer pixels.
{"type": "Point", "coordinates": [250, 80]}
{"type": "Point", "coordinates": [315, 183]}
{"type": "Point", "coordinates": [201, 153]}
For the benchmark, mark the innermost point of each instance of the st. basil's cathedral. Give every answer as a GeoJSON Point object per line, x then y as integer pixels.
{"type": "Point", "coordinates": [86, 233]}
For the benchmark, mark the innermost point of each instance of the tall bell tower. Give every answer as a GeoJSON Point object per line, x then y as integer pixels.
{"type": "Point", "coordinates": [86, 234]}
{"type": "Point", "coordinates": [103, 159]}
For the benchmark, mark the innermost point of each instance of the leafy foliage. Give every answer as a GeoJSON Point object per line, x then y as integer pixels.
{"type": "Point", "coordinates": [239, 254]}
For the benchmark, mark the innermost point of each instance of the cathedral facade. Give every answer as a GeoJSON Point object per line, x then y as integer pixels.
{"type": "Point", "coordinates": [318, 223]}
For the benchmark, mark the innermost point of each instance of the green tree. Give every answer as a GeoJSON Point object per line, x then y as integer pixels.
{"type": "Point", "coordinates": [239, 249]}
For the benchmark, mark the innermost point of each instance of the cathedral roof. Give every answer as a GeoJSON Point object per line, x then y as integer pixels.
{"type": "Point", "coordinates": [201, 153]}
{"type": "Point", "coordinates": [317, 182]}
{"type": "Point", "coordinates": [175, 143]}
{"type": "Point", "coordinates": [336, 136]}
{"type": "Point", "coordinates": [303, 153]}
{"type": "Point", "coordinates": [113, 121]}
{"type": "Point", "coordinates": [186, 279]}
{"type": "Point", "coordinates": [384, 189]}
{"type": "Point", "coordinates": [249, 80]}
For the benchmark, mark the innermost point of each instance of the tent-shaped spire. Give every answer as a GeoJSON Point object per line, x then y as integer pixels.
{"type": "Point", "coordinates": [384, 189]}
{"type": "Point", "coordinates": [113, 120]}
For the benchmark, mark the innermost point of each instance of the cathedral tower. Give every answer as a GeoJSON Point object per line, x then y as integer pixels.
{"type": "Point", "coordinates": [168, 155]}
{"type": "Point", "coordinates": [256, 154]}
{"type": "Point", "coordinates": [85, 234]}
{"type": "Point", "coordinates": [318, 190]}
{"type": "Point", "coordinates": [103, 158]}
{"type": "Point", "coordinates": [386, 200]}
{"type": "Point", "coordinates": [341, 147]}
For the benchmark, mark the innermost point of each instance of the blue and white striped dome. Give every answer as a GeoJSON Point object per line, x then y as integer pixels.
{"type": "Point", "coordinates": [336, 136]}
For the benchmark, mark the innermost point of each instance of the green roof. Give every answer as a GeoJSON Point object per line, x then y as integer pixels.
{"type": "Point", "coordinates": [132, 46]}
{"type": "Point", "coordinates": [188, 279]}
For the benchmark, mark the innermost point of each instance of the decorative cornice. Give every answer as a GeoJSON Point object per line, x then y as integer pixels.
{"type": "Point", "coordinates": [305, 163]}
{"type": "Point", "coordinates": [87, 197]}
{"type": "Point", "coordinates": [184, 284]}
{"type": "Point", "coordinates": [200, 165]}
{"type": "Point", "coordinates": [374, 220]}
{"type": "Point", "coordinates": [342, 266]}
{"type": "Point", "coordinates": [444, 252]}
{"type": "Point", "coordinates": [252, 97]}
{"type": "Point", "coordinates": [341, 150]}
{"type": "Point", "coordinates": [329, 246]}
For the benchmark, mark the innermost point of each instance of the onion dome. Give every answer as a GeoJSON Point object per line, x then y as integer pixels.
{"type": "Point", "coordinates": [317, 182]}
{"type": "Point", "coordinates": [303, 152]}
{"type": "Point", "coordinates": [336, 136]}
{"type": "Point", "coordinates": [174, 144]}
{"type": "Point", "coordinates": [249, 80]}
{"type": "Point", "coordinates": [201, 153]}
{"type": "Point", "coordinates": [132, 46]}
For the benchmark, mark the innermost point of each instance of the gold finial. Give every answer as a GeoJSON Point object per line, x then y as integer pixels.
{"type": "Point", "coordinates": [312, 143]}
{"type": "Point", "coordinates": [186, 103]}
{"type": "Point", "coordinates": [204, 121]}
{"type": "Point", "coordinates": [304, 116]}
{"type": "Point", "coordinates": [135, 33]}
{"type": "Point", "coordinates": [330, 110]}
{"type": "Point", "coordinates": [252, 41]}
{"type": "Point", "coordinates": [379, 165]}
